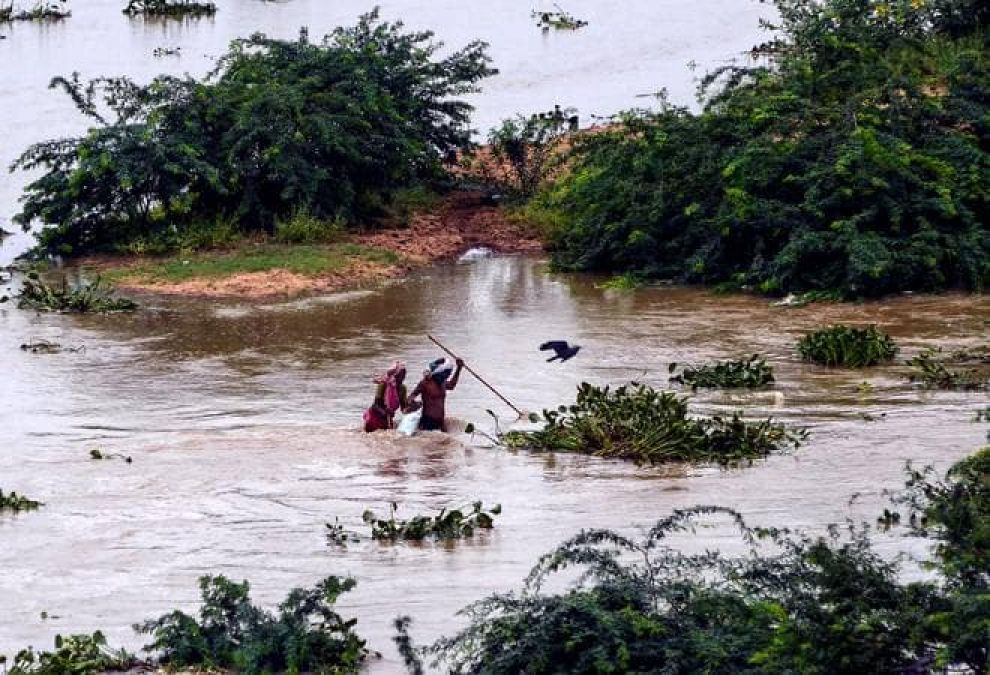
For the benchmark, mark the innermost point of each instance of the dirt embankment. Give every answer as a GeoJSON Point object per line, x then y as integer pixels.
{"type": "Point", "coordinates": [460, 221]}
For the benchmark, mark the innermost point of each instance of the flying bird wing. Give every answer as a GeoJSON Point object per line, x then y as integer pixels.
{"type": "Point", "coordinates": [555, 345]}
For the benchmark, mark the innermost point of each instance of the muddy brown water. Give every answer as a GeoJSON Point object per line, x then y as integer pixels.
{"type": "Point", "coordinates": [241, 421]}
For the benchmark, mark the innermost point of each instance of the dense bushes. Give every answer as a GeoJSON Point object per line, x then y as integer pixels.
{"type": "Point", "coordinates": [856, 159]}
{"type": "Point", "coordinates": [640, 423]}
{"type": "Point", "coordinates": [307, 635]}
{"type": "Point", "coordinates": [753, 371]}
{"type": "Point", "coordinates": [329, 128]}
{"type": "Point", "coordinates": [789, 604]}
{"type": "Point", "coordinates": [847, 347]}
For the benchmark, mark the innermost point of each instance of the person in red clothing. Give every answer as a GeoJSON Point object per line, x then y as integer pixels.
{"type": "Point", "coordinates": [390, 396]}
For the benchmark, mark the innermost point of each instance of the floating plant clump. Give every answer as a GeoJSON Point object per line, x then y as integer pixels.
{"type": "Point", "coordinates": [751, 372]}
{"type": "Point", "coordinates": [169, 8]}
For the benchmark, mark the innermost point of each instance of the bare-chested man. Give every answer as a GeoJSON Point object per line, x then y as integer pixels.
{"type": "Point", "coordinates": [437, 381]}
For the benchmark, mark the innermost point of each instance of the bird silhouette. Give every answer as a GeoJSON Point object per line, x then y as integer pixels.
{"type": "Point", "coordinates": [561, 349]}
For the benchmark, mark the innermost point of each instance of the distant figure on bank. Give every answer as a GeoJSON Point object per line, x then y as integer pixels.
{"type": "Point", "coordinates": [561, 349]}
{"type": "Point", "coordinates": [437, 381]}
{"type": "Point", "coordinates": [390, 396]}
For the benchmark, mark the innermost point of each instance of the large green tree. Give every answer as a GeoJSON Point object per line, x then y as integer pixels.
{"type": "Point", "coordinates": [855, 157]}
{"type": "Point", "coordinates": [330, 127]}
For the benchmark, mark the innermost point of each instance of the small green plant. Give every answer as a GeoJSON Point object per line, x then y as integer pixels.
{"type": "Point", "coordinates": [622, 282]}
{"type": "Point", "coordinates": [847, 347]}
{"type": "Point", "coordinates": [750, 372]}
{"type": "Point", "coordinates": [447, 525]}
{"type": "Point", "coordinates": [970, 369]}
{"type": "Point", "coordinates": [303, 228]}
{"type": "Point", "coordinates": [97, 453]}
{"type": "Point", "coordinates": [339, 536]}
{"type": "Point", "coordinates": [73, 655]}
{"type": "Point", "coordinates": [15, 502]}
{"type": "Point", "coordinates": [169, 8]}
{"type": "Point", "coordinates": [640, 423]}
{"type": "Point", "coordinates": [93, 297]}
{"type": "Point", "coordinates": [306, 635]}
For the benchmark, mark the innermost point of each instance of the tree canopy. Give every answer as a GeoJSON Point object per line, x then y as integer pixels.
{"type": "Point", "coordinates": [331, 128]}
{"type": "Point", "coordinates": [853, 156]}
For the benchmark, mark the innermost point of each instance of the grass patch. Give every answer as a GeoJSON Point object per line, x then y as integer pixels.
{"type": "Point", "coordinates": [305, 260]}
{"type": "Point", "coordinates": [648, 426]}
{"type": "Point", "coordinates": [751, 372]}
{"type": "Point", "coordinates": [847, 347]}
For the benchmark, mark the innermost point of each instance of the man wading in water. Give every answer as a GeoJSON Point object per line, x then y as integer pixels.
{"type": "Point", "coordinates": [437, 381]}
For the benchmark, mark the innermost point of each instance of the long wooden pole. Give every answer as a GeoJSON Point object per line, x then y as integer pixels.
{"type": "Point", "coordinates": [479, 377]}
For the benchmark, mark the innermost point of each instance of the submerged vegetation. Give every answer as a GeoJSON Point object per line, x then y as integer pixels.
{"type": "Point", "coordinates": [93, 297]}
{"type": "Point", "coordinates": [847, 347]}
{"type": "Point", "coordinates": [169, 8]}
{"type": "Point", "coordinates": [42, 11]}
{"type": "Point", "coordinates": [788, 604]}
{"type": "Point", "coordinates": [15, 502]}
{"type": "Point", "coordinates": [74, 654]}
{"type": "Point", "coordinates": [332, 128]}
{"type": "Point", "coordinates": [445, 526]}
{"type": "Point", "coordinates": [558, 20]}
{"type": "Point", "coordinates": [851, 158]}
{"type": "Point", "coordinates": [961, 369]}
{"type": "Point", "coordinates": [640, 423]}
{"type": "Point", "coordinates": [307, 634]}
{"type": "Point", "coordinates": [749, 372]}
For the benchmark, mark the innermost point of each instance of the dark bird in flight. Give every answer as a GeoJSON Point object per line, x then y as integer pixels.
{"type": "Point", "coordinates": [561, 349]}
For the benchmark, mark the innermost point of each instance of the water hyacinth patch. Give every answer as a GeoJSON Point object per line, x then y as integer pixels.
{"type": "Point", "coordinates": [750, 372]}
{"type": "Point", "coordinates": [166, 8]}
{"type": "Point", "coordinates": [15, 502]}
{"type": "Point", "coordinates": [74, 654]}
{"type": "Point", "coordinates": [847, 347]}
{"type": "Point", "coordinates": [966, 369]}
{"type": "Point", "coordinates": [445, 526]}
{"type": "Point", "coordinates": [648, 426]}
{"type": "Point", "coordinates": [94, 297]}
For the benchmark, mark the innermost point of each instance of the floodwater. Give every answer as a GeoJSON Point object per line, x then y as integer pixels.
{"type": "Point", "coordinates": [241, 422]}
{"type": "Point", "coordinates": [630, 48]}
{"type": "Point", "coordinates": [241, 419]}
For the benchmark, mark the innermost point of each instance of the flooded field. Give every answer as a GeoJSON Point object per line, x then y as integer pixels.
{"type": "Point", "coordinates": [242, 424]}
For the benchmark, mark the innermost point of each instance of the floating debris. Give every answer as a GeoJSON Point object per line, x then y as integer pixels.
{"type": "Point", "coordinates": [97, 453]}
{"type": "Point", "coordinates": [167, 51]}
{"type": "Point", "coordinates": [169, 8]}
{"type": "Point", "coordinates": [48, 347]}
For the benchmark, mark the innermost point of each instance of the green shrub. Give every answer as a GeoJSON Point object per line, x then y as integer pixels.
{"type": "Point", "coordinates": [302, 228]}
{"type": "Point", "coordinates": [306, 635]}
{"type": "Point", "coordinates": [788, 604]}
{"type": "Point", "coordinates": [94, 297]}
{"type": "Point", "coordinates": [847, 347]}
{"type": "Point", "coordinates": [73, 655]}
{"type": "Point", "coordinates": [750, 372]}
{"type": "Point", "coordinates": [850, 158]}
{"type": "Point", "coordinates": [648, 426]}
